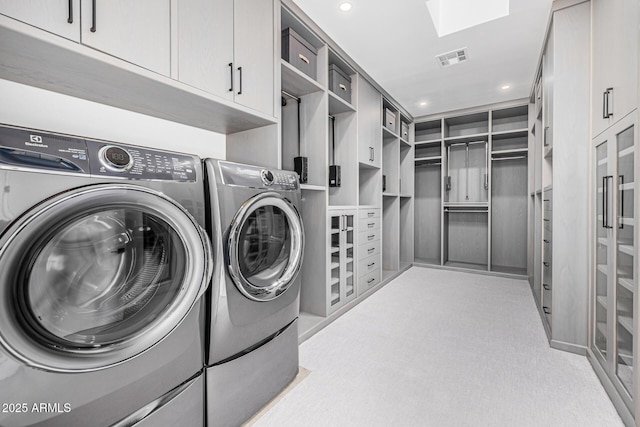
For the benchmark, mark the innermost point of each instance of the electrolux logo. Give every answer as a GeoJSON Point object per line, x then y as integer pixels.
{"type": "Point", "coordinates": [36, 141]}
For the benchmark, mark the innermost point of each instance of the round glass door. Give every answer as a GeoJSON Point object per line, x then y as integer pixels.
{"type": "Point", "coordinates": [100, 276]}
{"type": "Point", "coordinates": [265, 247]}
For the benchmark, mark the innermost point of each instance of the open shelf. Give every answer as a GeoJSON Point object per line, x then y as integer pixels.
{"type": "Point", "coordinates": [467, 138]}
{"type": "Point", "coordinates": [338, 105]}
{"type": "Point", "coordinates": [296, 82]}
{"type": "Point", "coordinates": [428, 132]}
{"type": "Point", "coordinates": [387, 134]}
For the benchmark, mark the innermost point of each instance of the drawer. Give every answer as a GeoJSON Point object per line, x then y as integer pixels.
{"type": "Point", "coordinates": [369, 213]}
{"type": "Point", "coordinates": [340, 83]}
{"type": "Point", "coordinates": [368, 281]}
{"type": "Point", "coordinates": [369, 224]}
{"type": "Point", "coordinates": [368, 236]}
{"type": "Point", "coordinates": [369, 249]}
{"type": "Point", "coordinates": [299, 53]}
{"type": "Point", "coordinates": [368, 264]}
{"type": "Point", "coordinates": [548, 224]}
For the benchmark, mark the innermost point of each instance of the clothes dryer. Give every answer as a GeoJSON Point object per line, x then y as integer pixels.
{"type": "Point", "coordinates": [103, 262]}
{"type": "Point", "coordinates": [256, 225]}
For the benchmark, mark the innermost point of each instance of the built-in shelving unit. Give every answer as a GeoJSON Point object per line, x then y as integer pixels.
{"type": "Point", "coordinates": [471, 177]}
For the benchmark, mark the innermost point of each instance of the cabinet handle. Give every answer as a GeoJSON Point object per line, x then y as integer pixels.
{"type": "Point", "coordinates": [371, 237]}
{"type": "Point", "coordinates": [546, 287]}
{"type": "Point", "coordinates": [371, 265]}
{"type": "Point", "coordinates": [370, 250]}
{"type": "Point", "coordinates": [606, 103]}
{"type": "Point", "coordinates": [546, 241]}
{"type": "Point", "coordinates": [371, 224]}
{"type": "Point", "coordinates": [231, 72]}
{"type": "Point", "coordinates": [93, 16]}
{"type": "Point", "coordinates": [371, 280]}
{"type": "Point", "coordinates": [604, 202]}
{"type": "Point", "coordinates": [343, 87]}
{"type": "Point", "coordinates": [304, 58]}
{"type": "Point", "coordinates": [621, 214]}
{"type": "Point", "coordinates": [240, 76]}
{"type": "Point", "coordinates": [370, 214]}
{"type": "Point", "coordinates": [546, 310]}
{"type": "Point", "coordinates": [546, 264]}
{"type": "Point", "coordinates": [70, 18]}
{"type": "Point", "coordinates": [373, 154]}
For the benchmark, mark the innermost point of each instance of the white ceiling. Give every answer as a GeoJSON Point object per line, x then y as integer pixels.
{"type": "Point", "coordinates": [396, 44]}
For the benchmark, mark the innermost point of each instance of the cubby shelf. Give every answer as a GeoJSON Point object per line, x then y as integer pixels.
{"type": "Point", "coordinates": [296, 82]}
{"type": "Point", "coordinates": [338, 105]}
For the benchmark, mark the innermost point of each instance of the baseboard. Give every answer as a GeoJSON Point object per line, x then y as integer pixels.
{"type": "Point", "coordinates": [569, 347]}
{"type": "Point", "coordinates": [472, 270]}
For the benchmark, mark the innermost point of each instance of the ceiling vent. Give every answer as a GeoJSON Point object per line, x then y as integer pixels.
{"type": "Point", "coordinates": [454, 57]}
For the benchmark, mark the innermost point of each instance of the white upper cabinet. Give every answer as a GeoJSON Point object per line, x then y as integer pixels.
{"type": "Point", "coordinates": [136, 31]}
{"type": "Point", "coordinates": [369, 125]}
{"type": "Point", "coordinates": [60, 17]}
{"type": "Point", "coordinates": [227, 48]}
{"type": "Point", "coordinates": [615, 61]}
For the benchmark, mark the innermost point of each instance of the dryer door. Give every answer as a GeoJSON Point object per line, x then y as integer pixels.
{"type": "Point", "coordinates": [265, 246]}
{"type": "Point", "coordinates": [98, 275]}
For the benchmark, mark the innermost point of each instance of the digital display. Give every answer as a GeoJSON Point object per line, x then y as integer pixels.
{"type": "Point", "coordinates": [117, 156]}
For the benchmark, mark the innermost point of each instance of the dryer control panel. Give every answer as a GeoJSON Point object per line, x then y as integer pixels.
{"type": "Point", "coordinates": [258, 177]}
{"type": "Point", "coordinates": [26, 149]}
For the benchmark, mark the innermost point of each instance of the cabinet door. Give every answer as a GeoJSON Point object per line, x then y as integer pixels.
{"type": "Point", "coordinates": [136, 31]}
{"type": "Point", "coordinates": [335, 294]}
{"type": "Point", "coordinates": [369, 124]}
{"type": "Point", "coordinates": [547, 91]}
{"type": "Point", "coordinates": [254, 54]}
{"type": "Point", "coordinates": [205, 45]}
{"type": "Point", "coordinates": [615, 60]}
{"type": "Point", "coordinates": [347, 256]}
{"type": "Point", "coordinates": [61, 17]}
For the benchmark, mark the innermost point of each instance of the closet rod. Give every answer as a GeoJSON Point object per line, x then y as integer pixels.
{"type": "Point", "coordinates": [466, 143]}
{"type": "Point", "coordinates": [465, 211]}
{"type": "Point", "coordinates": [428, 164]}
{"type": "Point", "coordinates": [295, 98]}
{"type": "Point", "coordinates": [495, 159]}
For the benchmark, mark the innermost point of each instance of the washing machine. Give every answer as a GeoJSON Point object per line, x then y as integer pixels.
{"type": "Point", "coordinates": [258, 237]}
{"type": "Point", "coordinates": [104, 261]}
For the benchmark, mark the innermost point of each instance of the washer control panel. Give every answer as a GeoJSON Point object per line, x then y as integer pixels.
{"type": "Point", "coordinates": [258, 177]}
{"type": "Point", "coordinates": [42, 151]}
{"type": "Point", "coordinates": [139, 163]}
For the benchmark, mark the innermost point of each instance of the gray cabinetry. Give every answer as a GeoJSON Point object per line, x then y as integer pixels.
{"type": "Point", "coordinates": [226, 47]}
{"type": "Point", "coordinates": [615, 61]}
{"type": "Point", "coordinates": [342, 275]}
{"type": "Point", "coordinates": [369, 125]}
{"type": "Point", "coordinates": [61, 17]}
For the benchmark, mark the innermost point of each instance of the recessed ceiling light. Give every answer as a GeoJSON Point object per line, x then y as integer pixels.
{"type": "Point", "coordinates": [345, 6]}
{"type": "Point", "coordinates": [423, 104]}
{"type": "Point", "coordinates": [505, 87]}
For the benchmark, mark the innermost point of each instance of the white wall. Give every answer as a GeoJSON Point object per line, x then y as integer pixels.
{"type": "Point", "coordinates": [36, 108]}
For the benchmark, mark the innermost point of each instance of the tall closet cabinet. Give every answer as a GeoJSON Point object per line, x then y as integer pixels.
{"type": "Point", "coordinates": [359, 229]}
{"type": "Point", "coordinates": [613, 331]}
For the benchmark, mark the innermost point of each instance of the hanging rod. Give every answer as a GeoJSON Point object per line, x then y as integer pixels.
{"type": "Point", "coordinates": [465, 211]}
{"type": "Point", "coordinates": [467, 143]}
{"type": "Point", "coordinates": [418, 164]}
{"type": "Point", "coordinates": [495, 159]}
{"type": "Point", "coordinates": [290, 96]}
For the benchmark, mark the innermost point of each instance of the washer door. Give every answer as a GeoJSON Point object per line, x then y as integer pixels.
{"type": "Point", "coordinates": [98, 275]}
{"type": "Point", "coordinates": [265, 246]}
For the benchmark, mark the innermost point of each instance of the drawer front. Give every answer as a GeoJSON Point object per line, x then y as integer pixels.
{"type": "Point", "coordinates": [368, 281]}
{"type": "Point", "coordinates": [369, 213]}
{"type": "Point", "coordinates": [369, 249]}
{"type": "Point", "coordinates": [298, 55]}
{"type": "Point", "coordinates": [368, 236]}
{"type": "Point", "coordinates": [368, 264]}
{"type": "Point", "coordinates": [369, 224]}
{"type": "Point", "coordinates": [547, 224]}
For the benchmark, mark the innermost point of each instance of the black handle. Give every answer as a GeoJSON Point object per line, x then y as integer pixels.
{"type": "Point", "coordinates": [231, 72]}
{"type": "Point", "coordinates": [93, 16]}
{"type": "Point", "coordinates": [370, 250]}
{"type": "Point", "coordinates": [546, 287]}
{"type": "Point", "coordinates": [546, 310]}
{"type": "Point", "coordinates": [604, 202]}
{"type": "Point", "coordinates": [606, 103]}
{"type": "Point", "coordinates": [545, 240]}
{"type": "Point", "coordinates": [373, 154]}
{"type": "Point", "coordinates": [371, 280]}
{"type": "Point", "coordinates": [70, 18]}
{"type": "Point", "coordinates": [370, 237]}
{"type": "Point", "coordinates": [620, 184]}
{"type": "Point", "coordinates": [371, 265]}
{"type": "Point", "coordinates": [240, 72]}
{"type": "Point", "coordinates": [546, 264]}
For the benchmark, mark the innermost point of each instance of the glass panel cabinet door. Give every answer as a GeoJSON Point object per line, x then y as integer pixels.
{"type": "Point", "coordinates": [601, 252]}
{"type": "Point", "coordinates": [625, 254]}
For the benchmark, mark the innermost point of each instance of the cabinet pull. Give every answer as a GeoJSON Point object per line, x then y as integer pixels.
{"type": "Point", "coordinates": [371, 265]}
{"type": "Point", "coordinates": [370, 214]}
{"type": "Point", "coordinates": [621, 214]}
{"type": "Point", "coordinates": [93, 16]}
{"type": "Point", "coordinates": [240, 76]}
{"type": "Point", "coordinates": [546, 264]}
{"type": "Point", "coordinates": [343, 87]}
{"type": "Point", "coordinates": [546, 310]}
{"type": "Point", "coordinates": [546, 241]}
{"type": "Point", "coordinates": [370, 237]}
{"type": "Point", "coordinates": [604, 202]}
{"type": "Point", "coordinates": [373, 154]}
{"type": "Point", "coordinates": [370, 250]}
{"type": "Point", "coordinates": [231, 72]}
{"type": "Point", "coordinates": [304, 58]}
{"type": "Point", "coordinates": [546, 287]}
{"type": "Point", "coordinates": [371, 280]}
{"type": "Point", "coordinates": [70, 18]}
{"type": "Point", "coordinates": [371, 224]}
{"type": "Point", "coordinates": [606, 103]}
{"type": "Point", "coordinates": [486, 181]}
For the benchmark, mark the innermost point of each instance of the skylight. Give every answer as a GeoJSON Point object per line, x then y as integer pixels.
{"type": "Point", "coordinates": [450, 16]}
